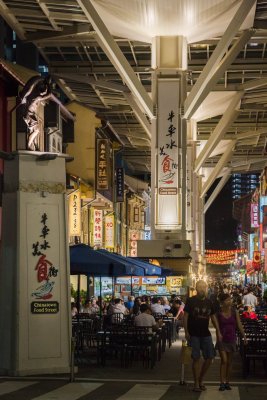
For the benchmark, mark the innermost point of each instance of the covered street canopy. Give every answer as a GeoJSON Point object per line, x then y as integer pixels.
{"type": "Point", "coordinates": [86, 261]}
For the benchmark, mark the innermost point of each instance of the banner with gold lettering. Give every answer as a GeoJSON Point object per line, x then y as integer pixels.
{"type": "Point", "coordinates": [103, 165]}
{"type": "Point", "coordinates": [75, 213]}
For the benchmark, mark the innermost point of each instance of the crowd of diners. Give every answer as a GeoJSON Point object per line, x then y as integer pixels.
{"type": "Point", "coordinates": [142, 308]}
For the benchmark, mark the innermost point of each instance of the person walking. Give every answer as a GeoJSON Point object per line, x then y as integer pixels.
{"type": "Point", "coordinates": [197, 313]}
{"type": "Point", "coordinates": [229, 320]}
{"type": "Point", "coordinates": [250, 299]}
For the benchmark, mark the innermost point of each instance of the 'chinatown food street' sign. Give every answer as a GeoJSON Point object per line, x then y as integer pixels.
{"type": "Point", "coordinates": [44, 307]}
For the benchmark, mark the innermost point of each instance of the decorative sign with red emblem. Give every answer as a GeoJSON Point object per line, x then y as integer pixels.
{"type": "Point", "coordinates": [256, 263]}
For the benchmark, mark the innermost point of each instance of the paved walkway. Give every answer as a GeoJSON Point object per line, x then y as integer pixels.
{"type": "Point", "coordinates": [135, 383]}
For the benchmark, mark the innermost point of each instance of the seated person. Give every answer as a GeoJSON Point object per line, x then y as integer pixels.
{"type": "Point", "coordinates": [156, 306]}
{"type": "Point", "coordinates": [165, 303]}
{"type": "Point", "coordinates": [74, 310]}
{"type": "Point", "coordinates": [117, 308]}
{"type": "Point", "coordinates": [145, 319]}
{"type": "Point", "coordinates": [248, 313]}
{"type": "Point", "coordinates": [130, 303]}
{"type": "Point", "coordinates": [94, 307]}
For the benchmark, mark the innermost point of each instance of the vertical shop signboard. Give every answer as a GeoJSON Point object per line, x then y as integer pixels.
{"type": "Point", "coordinates": [264, 227]}
{"type": "Point", "coordinates": [168, 213]}
{"type": "Point", "coordinates": [109, 232]}
{"type": "Point", "coordinates": [98, 228]}
{"type": "Point", "coordinates": [75, 213]}
{"type": "Point", "coordinates": [254, 213]}
{"type": "Point", "coordinates": [103, 166]}
{"type": "Point", "coordinates": [119, 185]}
{"type": "Point", "coordinates": [134, 236]}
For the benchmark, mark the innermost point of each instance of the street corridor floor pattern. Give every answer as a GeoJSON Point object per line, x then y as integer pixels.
{"type": "Point", "coordinates": [34, 389]}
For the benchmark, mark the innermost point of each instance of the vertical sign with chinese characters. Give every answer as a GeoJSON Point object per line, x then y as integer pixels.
{"type": "Point", "coordinates": [103, 166]}
{"type": "Point", "coordinates": [75, 213]}
{"type": "Point", "coordinates": [109, 232]}
{"type": "Point", "coordinates": [43, 264]}
{"type": "Point", "coordinates": [98, 228]}
{"type": "Point", "coordinates": [254, 213]}
{"type": "Point", "coordinates": [168, 213]}
{"type": "Point", "coordinates": [119, 184]}
{"type": "Point", "coordinates": [134, 236]}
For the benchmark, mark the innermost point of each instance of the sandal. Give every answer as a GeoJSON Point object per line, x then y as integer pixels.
{"type": "Point", "coordinates": [227, 386]}
{"type": "Point", "coordinates": [222, 387]}
{"type": "Point", "coordinates": [197, 389]}
{"type": "Point", "coordinates": [202, 387]}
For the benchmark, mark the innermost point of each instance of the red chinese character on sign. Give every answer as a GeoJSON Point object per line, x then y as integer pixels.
{"type": "Point", "coordinates": [166, 164]}
{"type": "Point", "coordinates": [42, 268]}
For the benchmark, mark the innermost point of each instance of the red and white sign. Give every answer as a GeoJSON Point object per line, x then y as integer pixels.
{"type": "Point", "coordinates": [256, 263]}
{"type": "Point", "coordinates": [133, 253]}
{"type": "Point", "coordinates": [98, 228]}
{"type": "Point", "coordinates": [109, 232]}
{"type": "Point", "coordinates": [249, 267]}
{"type": "Point", "coordinates": [134, 236]}
{"type": "Point", "coordinates": [254, 213]}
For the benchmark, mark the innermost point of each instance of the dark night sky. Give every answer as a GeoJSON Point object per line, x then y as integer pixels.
{"type": "Point", "coordinates": [220, 227]}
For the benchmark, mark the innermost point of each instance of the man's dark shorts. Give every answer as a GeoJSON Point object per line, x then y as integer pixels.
{"type": "Point", "coordinates": [203, 344]}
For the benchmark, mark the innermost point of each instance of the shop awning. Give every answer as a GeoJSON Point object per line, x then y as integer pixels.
{"type": "Point", "coordinates": [86, 261]}
{"type": "Point", "coordinates": [149, 269]}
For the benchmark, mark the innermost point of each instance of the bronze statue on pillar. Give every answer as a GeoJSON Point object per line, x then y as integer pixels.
{"type": "Point", "coordinates": [36, 90]}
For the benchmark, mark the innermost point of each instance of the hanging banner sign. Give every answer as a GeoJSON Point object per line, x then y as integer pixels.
{"type": "Point", "coordinates": [119, 185]}
{"type": "Point", "coordinates": [109, 232]}
{"type": "Point", "coordinates": [134, 236]}
{"type": "Point", "coordinates": [254, 213]}
{"type": "Point", "coordinates": [264, 227]}
{"type": "Point", "coordinates": [75, 213]}
{"type": "Point", "coordinates": [98, 228]}
{"type": "Point", "coordinates": [168, 212]}
{"type": "Point", "coordinates": [249, 267]}
{"type": "Point", "coordinates": [256, 263]}
{"type": "Point", "coordinates": [103, 166]}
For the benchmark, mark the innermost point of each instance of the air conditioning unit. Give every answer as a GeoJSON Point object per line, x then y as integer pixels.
{"type": "Point", "coordinates": [163, 248]}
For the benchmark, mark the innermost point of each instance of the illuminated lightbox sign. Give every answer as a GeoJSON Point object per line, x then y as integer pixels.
{"type": "Point", "coordinates": [98, 230]}
{"type": "Point", "coordinates": [153, 280]}
{"type": "Point", "coordinates": [109, 231]}
{"type": "Point", "coordinates": [103, 164]}
{"type": "Point", "coordinates": [75, 213]}
{"type": "Point", "coordinates": [254, 213]}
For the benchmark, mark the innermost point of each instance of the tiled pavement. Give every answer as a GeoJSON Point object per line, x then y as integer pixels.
{"type": "Point", "coordinates": [135, 383]}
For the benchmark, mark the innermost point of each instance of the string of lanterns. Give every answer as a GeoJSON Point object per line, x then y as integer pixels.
{"type": "Point", "coordinates": [222, 257]}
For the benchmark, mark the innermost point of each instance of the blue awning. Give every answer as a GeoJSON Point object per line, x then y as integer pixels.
{"type": "Point", "coordinates": [87, 261]}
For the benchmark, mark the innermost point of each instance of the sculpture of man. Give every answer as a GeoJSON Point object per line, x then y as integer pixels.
{"type": "Point", "coordinates": [37, 89]}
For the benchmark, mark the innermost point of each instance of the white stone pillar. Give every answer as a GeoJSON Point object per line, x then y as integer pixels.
{"type": "Point", "coordinates": [168, 152]}
{"type": "Point", "coordinates": [35, 320]}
